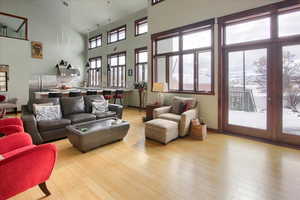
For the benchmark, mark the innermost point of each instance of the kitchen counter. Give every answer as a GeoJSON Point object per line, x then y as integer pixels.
{"type": "Point", "coordinates": [66, 92]}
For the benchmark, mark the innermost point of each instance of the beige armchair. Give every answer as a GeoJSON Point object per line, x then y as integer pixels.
{"type": "Point", "coordinates": [183, 119]}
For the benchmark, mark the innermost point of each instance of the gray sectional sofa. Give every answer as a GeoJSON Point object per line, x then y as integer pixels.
{"type": "Point", "coordinates": [74, 110]}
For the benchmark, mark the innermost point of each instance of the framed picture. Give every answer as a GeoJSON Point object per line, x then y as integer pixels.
{"type": "Point", "coordinates": [37, 50]}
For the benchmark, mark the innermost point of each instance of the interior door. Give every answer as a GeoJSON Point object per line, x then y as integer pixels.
{"type": "Point", "coordinates": [289, 94]}
{"type": "Point", "coordinates": [247, 96]}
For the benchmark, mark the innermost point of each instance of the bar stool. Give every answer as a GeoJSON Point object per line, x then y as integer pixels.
{"type": "Point", "coordinates": [54, 95]}
{"type": "Point", "coordinates": [91, 92]}
{"type": "Point", "coordinates": [119, 95]}
{"type": "Point", "coordinates": [107, 94]}
{"type": "Point", "coordinates": [74, 94]}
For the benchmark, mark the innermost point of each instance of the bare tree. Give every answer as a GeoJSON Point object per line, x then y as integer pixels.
{"type": "Point", "coordinates": [290, 78]}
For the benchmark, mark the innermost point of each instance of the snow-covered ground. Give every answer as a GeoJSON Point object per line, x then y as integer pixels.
{"type": "Point", "coordinates": [291, 120]}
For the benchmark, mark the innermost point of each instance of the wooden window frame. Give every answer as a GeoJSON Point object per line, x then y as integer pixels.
{"type": "Point", "coordinates": [25, 22]}
{"type": "Point", "coordinates": [95, 69]}
{"type": "Point", "coordinates": [199, 26]}
{"type": "Point", "coordinates": [139, 22]}
{"type": "Point", "coordinates": [97, 38]}
{"type": "Point", "coordinates": [117, 30]}
{"type": "Point", "coordinates": [123, 53]}
{"type": "Point", "coordinates": [136, 61]}
{"type": "Point", "coordinates": [156, 2]}
{"type": "Point", "coordinates": [274, 43]}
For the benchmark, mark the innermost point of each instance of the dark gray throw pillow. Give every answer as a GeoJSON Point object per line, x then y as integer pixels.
{"type": "Point", "coordinates": [72, 105]}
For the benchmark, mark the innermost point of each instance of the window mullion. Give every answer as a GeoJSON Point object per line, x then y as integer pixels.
{"type": "Point", "coordinates": [196, 71]}
{"type": "Point", "coordinates": [180, 62]}
{"type": "Point", "coordinates": [167, 70]}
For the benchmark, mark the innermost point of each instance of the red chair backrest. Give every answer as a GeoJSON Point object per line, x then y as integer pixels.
{"type": "Point", "coordinates": [2, 98]}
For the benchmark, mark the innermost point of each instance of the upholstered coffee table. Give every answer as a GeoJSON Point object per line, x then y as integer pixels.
{"type": "Point", "coordinates": [90, 135]}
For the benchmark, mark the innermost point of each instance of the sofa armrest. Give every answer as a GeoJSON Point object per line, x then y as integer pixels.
{"type": "Point", "coordinates": [30, 126]}
{"type": "Point", "coordinates": [185, 121]}
{"type": "Point", "coordinates": [161, 110]}
{"type": "Point", "coordinates": [14, 141]}
{"type": "Point", "coordinates": [26, 169]}
{"type": "Point", "coordinates": [116, 108]}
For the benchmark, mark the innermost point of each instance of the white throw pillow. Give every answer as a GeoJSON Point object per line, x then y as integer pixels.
{"type": "Point", "coordinates": [41, 104]}
{"type": "Point", "coordinates": [48, 113]}
{"type": "Point", "coordinates": [99, 107]}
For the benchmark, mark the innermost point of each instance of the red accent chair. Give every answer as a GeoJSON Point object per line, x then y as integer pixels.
{"type": "Point", "coordinates": [24, 165]}
{"type": "Point", "coordinates": [11, 125]}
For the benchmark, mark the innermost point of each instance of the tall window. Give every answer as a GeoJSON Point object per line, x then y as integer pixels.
{"type": "Point", "coordinates": [141, 65]}
{"type": "Point", "coordinates": [183, 58]}
{"type": "Point", "coordinates": [95, 42]}
{"type": "Point", "coordinates": [3, 81]}
{"type": "Point", "coordinates": [141, 26]}
{"type": "Point", "coordinates": [116, 70]}
{"type": "Point", "coordinates": [156, 1]}
{"type": "Point", "coordinates": [95, 72]}
{"type": "Point", "coordinates": [116, 35]}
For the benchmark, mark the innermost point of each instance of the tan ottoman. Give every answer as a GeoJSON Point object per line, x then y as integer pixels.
{"type": "Point", "coordinates": [161, 130]}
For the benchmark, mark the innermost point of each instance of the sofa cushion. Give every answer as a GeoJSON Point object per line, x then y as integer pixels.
{"type": "Point", "coordinates": [177, 101]}
{"type": "Point", "coordinates": [46, 113]}
{"type": "Point", "coordinates": [81, 117]}
{"type": "Point", "coordinates": [89, 99]}
{"type": "Point", "coordinates": [72, 105]}
{"type": "Point", "coordinates": [170, 116]}
{"type": "Point", "coordinates": [106, 115]}
{"type": "Point", "coordinates": [54, 101]}
{"type": "Point", "coordinates": [53, 124]}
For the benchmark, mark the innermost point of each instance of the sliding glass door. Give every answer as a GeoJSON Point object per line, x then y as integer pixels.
{"type": "Point", "coordinates": [261, 74]}
{"type": "Point", "coordinates": [290, 94]}
{"type": "Point", "coordinates": [247, 91]}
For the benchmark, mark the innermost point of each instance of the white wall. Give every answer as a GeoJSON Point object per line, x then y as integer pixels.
{"type": "Point", "coordinates": [49, 23]}
{"type": "Point", "coordinates": [19, 70]}
{"type": "Point", "coordinates": [129, 45]}
{"type": "Point", "coordinates": [176, 13]}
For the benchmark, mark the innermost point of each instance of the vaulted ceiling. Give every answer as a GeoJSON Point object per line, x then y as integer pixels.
{"type": "Point", "coordinates": [88, 14]}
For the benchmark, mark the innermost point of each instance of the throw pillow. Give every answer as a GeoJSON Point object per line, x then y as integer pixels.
{"type": "Point", "coordinates": [176, 106]}
{"type": "Point", "coordinates": [187, 106]}
{"type": "Point", "coordinates": [178, 100]}
{"type": "Point", "coordinates": [182, 107]}
{"type": "Point", "coordinates": [41, 104]}
{"type": "Point", "coordinates": [99, 107]}
{"type": "Point", "coordinates": [45, 113]}
{"type": "Point", "coordinates": [1, 157]}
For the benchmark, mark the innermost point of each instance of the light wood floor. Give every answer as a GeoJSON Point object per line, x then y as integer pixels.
{"type": "Point", "coordinates": [222, 167]}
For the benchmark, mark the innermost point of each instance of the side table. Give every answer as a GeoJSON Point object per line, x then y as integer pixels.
{"type": "Point", "coordinates": [149, 111]}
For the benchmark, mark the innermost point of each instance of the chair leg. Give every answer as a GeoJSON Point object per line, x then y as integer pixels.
{"type": "Point", "coordinates": [44, 188]}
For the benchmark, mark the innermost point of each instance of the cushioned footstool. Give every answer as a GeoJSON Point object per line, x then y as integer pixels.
{"type": "Point", "coordinates": [161, 130]}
